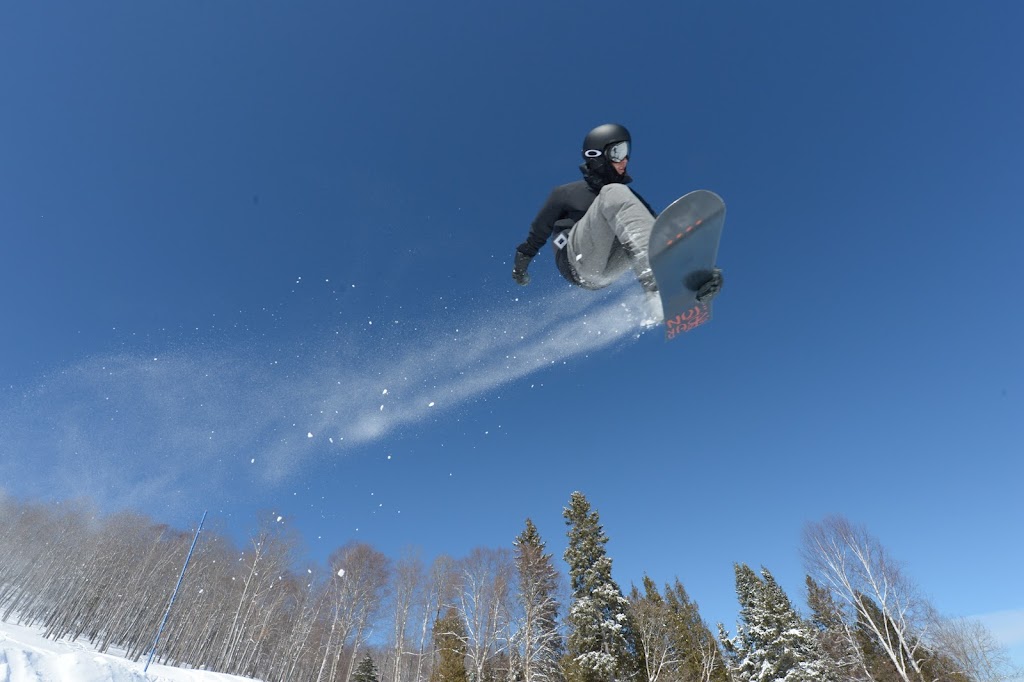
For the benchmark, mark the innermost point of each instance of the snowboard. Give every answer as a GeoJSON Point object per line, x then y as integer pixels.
{"type": "Point", "coordinates": [683, 249]}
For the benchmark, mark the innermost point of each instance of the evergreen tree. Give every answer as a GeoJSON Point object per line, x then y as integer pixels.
{"type": "Point", "coordinates": [744, 652]}
{"type": "Point", "coordinates": [450, 649]}
{"type": "Point", "coordinates": [672, 642]}
{"type": "Point", "coordinates": [772, 643]}
{"type": "Point", "coordinates": [541, 645]}
{"type": "Point", "coordinates": [598, 649]}
{"type": "Point", "coordinates": [841, 659]}
{"type": "Point", "coordinates": [366, 671]}
{"type": "Point", "coordinates": [701, 655]}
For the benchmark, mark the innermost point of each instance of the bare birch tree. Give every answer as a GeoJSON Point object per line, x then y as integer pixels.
{"type": "Point", "coordinates": [264, 565]}
{"type": "Point", "coordinates": [893, 621]}
{"type": "Point", "coordinates": [354, 595]}
{"type": "Point", "coordinates": [852, 563]}
{"type": "Point", "coordinates": [483, 603]}
{"type": "Point", "coordinates": [435, 599]}
{"type": "Point", "coordinates": [300, 644]}
{"type": "Point", "coordinates": [972, 649]}
{"type": "Point", "coordinates": [406, 585]}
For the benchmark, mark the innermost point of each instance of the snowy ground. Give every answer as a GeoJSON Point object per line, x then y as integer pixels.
{"type": "Point", "coordinates": [25, 656]}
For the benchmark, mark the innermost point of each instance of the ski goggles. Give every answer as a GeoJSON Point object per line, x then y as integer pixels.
{"type": "Point", "coordinates": [618, 151]}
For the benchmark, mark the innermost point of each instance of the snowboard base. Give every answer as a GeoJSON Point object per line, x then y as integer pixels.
{"type": "Point", "coordinates": [683, 249]}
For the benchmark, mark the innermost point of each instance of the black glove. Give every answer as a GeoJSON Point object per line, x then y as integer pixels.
{"type": "Point", "coordinates": [519, 273]}
{"type": "Point", "coordinates": [710, 289]}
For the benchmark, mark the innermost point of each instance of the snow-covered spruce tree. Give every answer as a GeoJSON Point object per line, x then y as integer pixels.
{"type": "Point", "coordinates": [540, 645]}
{"type": "Point", "coordinates": [366, 671]}
{"type": "Point", "coordinates": [598, 642]}
{"type": "Point", "coordinates": [772, 643]}
{"type": "Point", "coordinates": [483, 603]}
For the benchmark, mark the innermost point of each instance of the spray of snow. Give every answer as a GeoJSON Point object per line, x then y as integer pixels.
{"type": "Point", "coordinates": [126, 429]}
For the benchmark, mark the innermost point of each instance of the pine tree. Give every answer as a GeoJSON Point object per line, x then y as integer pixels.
{"type": "Point", "coordinates": [772, 643]}
{"type": "Point", "coordinates": [598, 649]}
{"type": "Point", "coordinates": [366, 671]}
{"type": "Point", "coordinates": [450, 649]}
{"type": "Point", "coordinates": [541, 645]}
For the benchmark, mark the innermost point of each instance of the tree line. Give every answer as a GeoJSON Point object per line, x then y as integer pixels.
{"type": "Point", "coordinates": [496, 615]}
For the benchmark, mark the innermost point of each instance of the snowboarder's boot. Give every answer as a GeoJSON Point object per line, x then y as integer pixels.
{"type": "Point", "coordinates": [710, 289]}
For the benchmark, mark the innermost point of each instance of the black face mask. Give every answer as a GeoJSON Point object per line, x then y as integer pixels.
{"type": "Point", "coordinates": [599, 172]}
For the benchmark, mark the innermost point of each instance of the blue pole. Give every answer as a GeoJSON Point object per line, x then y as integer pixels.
{"type": "Point", "coordinates": [173, 595]}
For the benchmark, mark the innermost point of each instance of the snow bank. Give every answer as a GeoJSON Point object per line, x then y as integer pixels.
{"type": "Point", "coordinates": [26, 656]}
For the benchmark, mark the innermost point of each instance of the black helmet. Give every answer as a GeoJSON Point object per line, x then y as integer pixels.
{"type": "Point", "coordinates": [600, 138]}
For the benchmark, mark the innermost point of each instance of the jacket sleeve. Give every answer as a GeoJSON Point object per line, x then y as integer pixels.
{"type": "Point", "coordinates": [543, 224]}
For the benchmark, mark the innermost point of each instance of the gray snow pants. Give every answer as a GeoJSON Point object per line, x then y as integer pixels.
{"type": "Point", "coordinates": [610, 238]}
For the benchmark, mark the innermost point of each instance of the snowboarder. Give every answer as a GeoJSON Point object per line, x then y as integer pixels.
{"type": "Point", "coordinates": [601, 227]}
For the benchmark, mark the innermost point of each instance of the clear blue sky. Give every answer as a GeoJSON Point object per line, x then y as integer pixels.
{"type": "Point", "coordinates": [228, 228]}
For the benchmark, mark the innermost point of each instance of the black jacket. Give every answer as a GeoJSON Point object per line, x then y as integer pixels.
{"type": "Point", "coordinates": [563, 209]}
